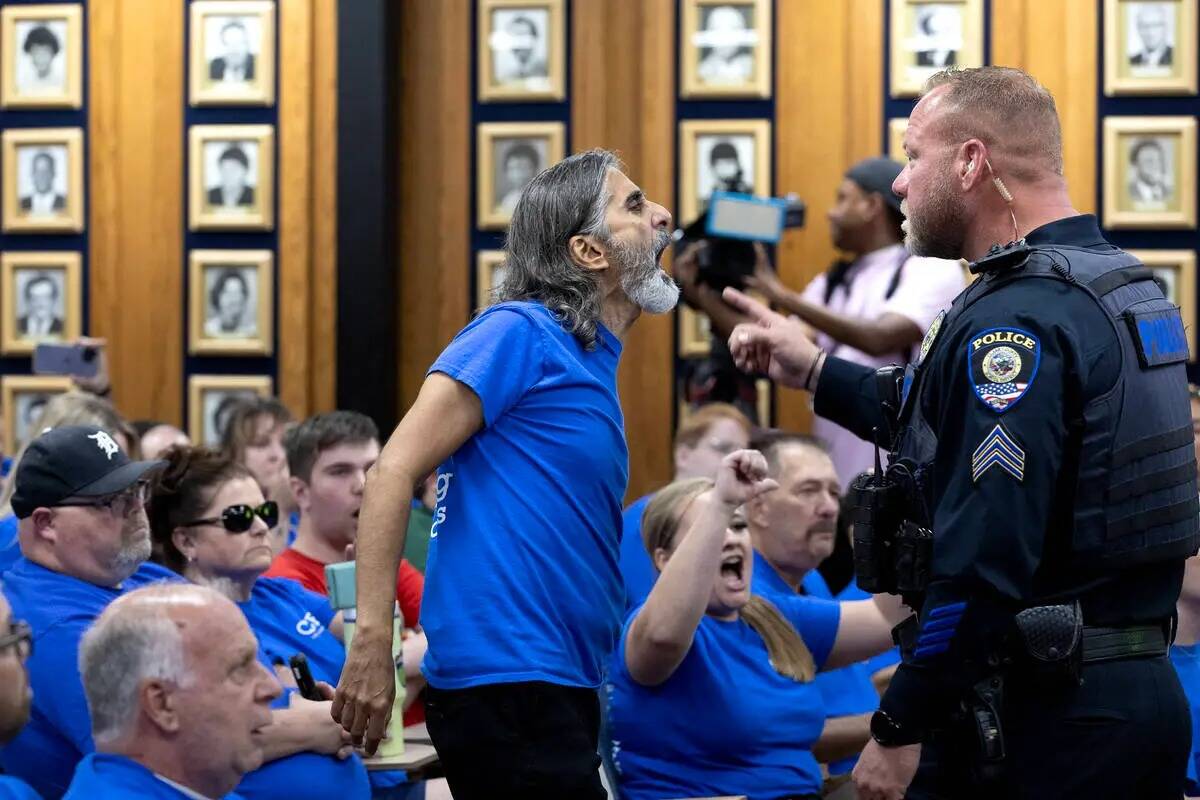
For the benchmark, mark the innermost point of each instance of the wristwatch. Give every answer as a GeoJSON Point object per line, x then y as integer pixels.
{"type": "Point", "coordinates": [889, 733]}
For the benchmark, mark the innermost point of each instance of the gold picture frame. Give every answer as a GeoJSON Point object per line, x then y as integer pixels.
{"type": "Point", "coordinates": [1150, 172]}
{"type": "Point", "coordinates": [539, 26]}
{"type": "Point", "coordinates": [242, 152]}
{"type": "Point", "coordinates": [59, 295]}
{"type": "Point", "coordinates": [218, 304]}
{"type": "Point", "coordinates": [487, 264]}
{"type": "Point", "coordinates": [203, 410]}
{"type": "Point", "coordinates": [43, 157]}
{"type": "Point", "coordinates": [15, 415]}
{"type": "Point", "coordinates": [895, 144]}
{"type": "Point", "coordinates": [57, 29]}
{"type": "Point", "coordinates": [699, 138]}
{"type": "Point", "coordinates": [527, 149]}
{"type": "Point", "coordinates": [742, 24]}
{"type": "Point", "coordinates": [1177, 269]}
{"type": "Point", "coordinates": [695, 332]}
{"type": "Point", "coordinates": [238, 25]}
{"type": "Point", "coordinates": [931, 35]}
{"type": "Point", "coordinates": [1130, 24]}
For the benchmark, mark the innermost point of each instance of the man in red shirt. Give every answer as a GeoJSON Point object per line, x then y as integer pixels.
{"type": "Point", "coordinates": [328, 457]}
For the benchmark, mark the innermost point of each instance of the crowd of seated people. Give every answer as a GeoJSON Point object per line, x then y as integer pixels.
{"type": "Point", "coordinates": [156, 598]}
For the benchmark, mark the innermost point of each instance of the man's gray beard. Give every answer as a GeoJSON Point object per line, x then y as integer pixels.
{"type": "Point", "coordinates": [642, 280]}
{"type": "Point", "coordinates": [131, 556]}
{"type": "Point", "coordinates": [941, 230]}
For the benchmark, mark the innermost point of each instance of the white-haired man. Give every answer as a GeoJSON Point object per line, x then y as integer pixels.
{"type": "Point", "coordinates": [177, 695]}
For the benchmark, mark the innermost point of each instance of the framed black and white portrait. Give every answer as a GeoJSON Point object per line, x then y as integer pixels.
{"type": "Point", "coordinates": [489, 271]}
{"type": "Point", "coordinates": [230, 302]}
{"type": "Point", "coordinates": [41, 300]}
{"type": "Point", "coordinates": [931, 35]}
{"type": "Point", "coordinates": [1150, 47]}
{"type": "Point", "coordinates": [43, 180]}
{"type": "Point", "coordinates": [212, 397]}
{"type": "Point", "coordinates": [895, 143]}
{"type": "Point", "coordinates": [23, 398]}
{"type": "Point", "coordinates": [231, 177]}
{"type": "Point", "coordinates": [521, 50]}
{"type": "Point", "coordinates": [1176, 270]}
{"type": "Point", "coordinates": [1150, 172]}
{"type": "Point", "coordinates": [730, 155]}
{"type": "Point", "coordinates": [509, 155]}
{"type": "Point", "coordinates": [232, 52]}
{"type": "Point", "coordinates": [42, 50]}
{"type": "Point", "coordinates": [725, 49]}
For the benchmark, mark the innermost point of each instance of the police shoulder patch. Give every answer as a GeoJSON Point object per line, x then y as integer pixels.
{"type": "Point", "coordinates": [1002, 365]}
{"type": "Point", "coordinates": [931, 335]}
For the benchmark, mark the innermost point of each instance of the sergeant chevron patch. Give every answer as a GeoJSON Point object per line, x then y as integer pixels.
{"type": "Point", "coordinates": [998, 449]}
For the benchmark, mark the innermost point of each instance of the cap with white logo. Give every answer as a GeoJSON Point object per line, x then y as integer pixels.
{"type": "Point", "coordinates": [73, 461]}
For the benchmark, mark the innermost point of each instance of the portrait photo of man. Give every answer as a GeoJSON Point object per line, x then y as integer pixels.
{"type": "Point", "coordinates": [39, 50]}
{"type": "Point", "coordinates": [39, 304]}
{"type": "Point", "coordinates": [42, 180]}
{"type": "Point", "coordinates": [938, 35]}
{"type": "Point", "coordinates": [29, 407]}
{"type": "Point", "coordinates": [231, 48]}
{"type": "Point", "coordinates": [725, 164]}
{"type": "Point", "coordinates": [232, 302]}
{"type": "Point", "coordinates": [519, 45]}
{"type": "Point", "coordinates": [230, 177]}
{"type": "Point", "coordinates": [1150, 35]}
{"type": "Point", "coordinates": [517, 161]}
{"type": "Point", "coordinates": [1151, 179]}
{"type": "Point", "coordinates": [726, 40]}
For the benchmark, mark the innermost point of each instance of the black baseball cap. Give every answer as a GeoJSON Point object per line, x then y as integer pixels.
{"type": "Point", "coordinates": [878, 175]}
{"type": "Point", "coordinates": [73, 461]}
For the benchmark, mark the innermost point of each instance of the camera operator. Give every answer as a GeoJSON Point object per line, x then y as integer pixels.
{"type": "Point", "coordinates": [871, 308]}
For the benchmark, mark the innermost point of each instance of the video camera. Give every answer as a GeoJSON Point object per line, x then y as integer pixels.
{"type": "Point", "coordinates": [729, 227]}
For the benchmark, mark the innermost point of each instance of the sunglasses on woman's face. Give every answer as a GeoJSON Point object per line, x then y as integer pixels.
{"type": "Point", "coordinates": [240, 518]}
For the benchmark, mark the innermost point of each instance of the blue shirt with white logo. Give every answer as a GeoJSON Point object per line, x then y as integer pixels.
{"type": "Point", "coordinates": [637, 570]}
{"type": "Point", "coordinates": [59, 609]}
{"type": "Point", "coordinates": [1186, 659]}
{"type": "Point", "coordinates": [846, 690]}
{"type": "Point", "coordinates": [104, 776]}
{"type": "Point", "coordinates": [725, 723]}
{"type": "Point", "coordinates": [522, 581]}
{"type": "Point", "coordinates": [289, 619]}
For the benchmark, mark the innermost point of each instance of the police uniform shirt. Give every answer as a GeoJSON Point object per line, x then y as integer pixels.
{"type": "Point", "coordinates": [1003, 388]}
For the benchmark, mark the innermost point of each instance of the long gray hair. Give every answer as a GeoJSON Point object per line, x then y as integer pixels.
{"type": "Point", "coordinates": [566, 200]}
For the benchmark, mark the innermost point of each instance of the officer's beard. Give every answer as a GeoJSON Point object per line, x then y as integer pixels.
{"type": "Point", "coordinates": [939, 228]}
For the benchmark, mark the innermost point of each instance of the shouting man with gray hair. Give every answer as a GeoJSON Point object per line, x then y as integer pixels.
{"type": "Point", "coordinates": [523, 597]}
{"type": "Point", "coordinates": [177, 695]}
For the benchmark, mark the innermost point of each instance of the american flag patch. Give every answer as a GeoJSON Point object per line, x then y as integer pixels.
{"type": "Point", "coordinates": [999, 395]}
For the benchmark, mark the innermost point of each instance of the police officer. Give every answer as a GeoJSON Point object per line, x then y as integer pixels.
{"type": "Point", "coordinates": [1044, 439]}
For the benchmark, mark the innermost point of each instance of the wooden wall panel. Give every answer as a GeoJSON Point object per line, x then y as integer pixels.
{"type": "Point", "coordinates": [435, 180]}
{"type": "Point", "coordinates": [623, 99]}
{"type": "Point", "coordinates": [828, 114]}
{"type": "Point", "coordinates": [1058, 43]}
{"type": "Point", "coordinates": [135, 224]}
{"type": "Point", "coordinates": [307, 205]}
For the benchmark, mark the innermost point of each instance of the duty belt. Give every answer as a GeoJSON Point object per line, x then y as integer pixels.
{"type": "Point", "coordinates": [1110, 644]}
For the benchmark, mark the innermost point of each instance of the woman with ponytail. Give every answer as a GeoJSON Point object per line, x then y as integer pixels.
{"type": "Point", "coordinates": [711, 690]}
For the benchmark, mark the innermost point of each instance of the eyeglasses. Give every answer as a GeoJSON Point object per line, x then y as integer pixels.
{"type": "Point", "coordinates": [119, 504]}
{"type": "Point", "coordinates": [240, 518]}
{"type": "Point", "coordinates": [19, 635]}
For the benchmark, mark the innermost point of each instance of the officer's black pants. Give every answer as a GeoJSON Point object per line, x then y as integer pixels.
{"type": "Point", "coordinates": [1125, 734]}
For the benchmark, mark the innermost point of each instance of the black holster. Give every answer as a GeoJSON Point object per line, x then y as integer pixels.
{"type": "Point", "coordinates": [892, 554]}
{"type": "Point", "coordinates": [983, 713]}
{"type": "Point", "coordinates": [1049, 654]}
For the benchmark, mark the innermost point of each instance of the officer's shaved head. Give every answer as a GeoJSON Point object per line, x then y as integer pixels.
{"type": "Point", "coordinates": [1006, 109]}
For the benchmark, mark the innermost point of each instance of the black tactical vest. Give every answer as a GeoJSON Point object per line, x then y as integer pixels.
{"type": "Point", "coordinates": [1136, 493]}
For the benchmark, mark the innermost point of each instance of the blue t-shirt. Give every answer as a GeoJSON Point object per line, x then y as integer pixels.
{"type": "Point", "coordinates": [1186, 659]}
{"type": "Point", "coordinates": [522, 582]}
{"type": "Point", "coordinates": [59, 609]}
{"type": "Point", "coordinates": [104, 776]}
{"type": "Point", "coordinates": [725, 723]}
{"type": "Point", "coordinates": [16, 789]}
{"type": "Point", "coordinates": [289, 619]}
{"type": "Point", "coordinates": [10, 548]}
{"type": "Point", "coordinates": [637, 570]}
{"type": "Point", "coordinates": [846, 690]}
